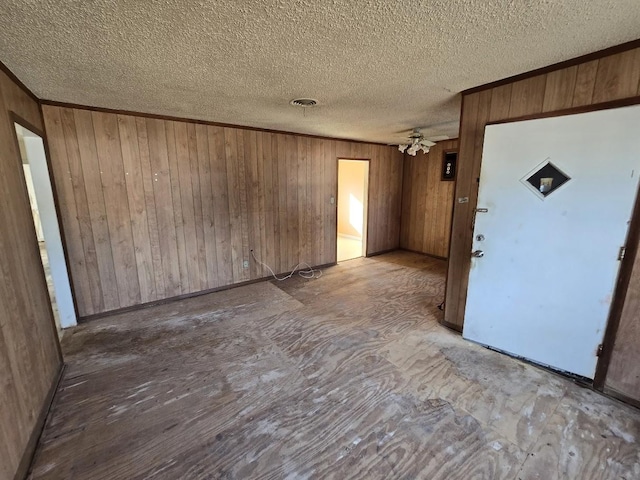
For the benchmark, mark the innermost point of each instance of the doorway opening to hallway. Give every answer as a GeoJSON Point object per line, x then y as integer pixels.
{"type": "Point", "coordinates": [353, 192]}
{"type": "Point", "coordinates": [45, 220]}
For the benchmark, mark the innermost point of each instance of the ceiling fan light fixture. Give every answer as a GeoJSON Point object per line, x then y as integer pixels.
{"type": "Point", "coordinates": [417, 142]}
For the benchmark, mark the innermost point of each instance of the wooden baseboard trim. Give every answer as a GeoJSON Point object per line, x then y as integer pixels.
{"type": "Point", "coordinates": [27, 456]}
{"type": "Point", "coordinates": [163, 301]}
{"type": "Point", "coordinates": [382, 252]}
{"type": "Point", "coordinates": [621, 396]}
{"type": "Point", "coordinates": [451, 326]}
{"type": "Point", "coordinates": [424, 253]}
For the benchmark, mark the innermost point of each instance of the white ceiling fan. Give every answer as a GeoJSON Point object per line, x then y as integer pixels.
{"type": "Point", "coordinates": [416, 142]}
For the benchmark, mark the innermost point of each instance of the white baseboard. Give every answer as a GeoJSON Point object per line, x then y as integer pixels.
{"type": "Point", "coordinates": [350, 237]}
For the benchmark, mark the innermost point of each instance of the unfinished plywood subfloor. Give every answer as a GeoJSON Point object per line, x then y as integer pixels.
{"type": "Point", "coordinates": [344, 377]}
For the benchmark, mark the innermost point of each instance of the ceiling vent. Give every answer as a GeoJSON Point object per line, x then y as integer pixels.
{"type": "Point", "coordinates": [304, 102]}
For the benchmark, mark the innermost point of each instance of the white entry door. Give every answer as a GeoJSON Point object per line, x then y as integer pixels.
{"type": "Point", "coordinates": [555, 200]}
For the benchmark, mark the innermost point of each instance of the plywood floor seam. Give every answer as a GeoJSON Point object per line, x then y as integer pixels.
{"type": "Point", "coordinates": [348, 377]}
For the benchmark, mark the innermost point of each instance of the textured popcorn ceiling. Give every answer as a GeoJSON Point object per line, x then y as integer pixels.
{"type": "Point", "coordinates": [378, 68]}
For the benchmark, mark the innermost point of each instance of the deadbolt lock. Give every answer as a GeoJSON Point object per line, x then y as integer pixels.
{"type": "Point", "coordinates": [480, 238]}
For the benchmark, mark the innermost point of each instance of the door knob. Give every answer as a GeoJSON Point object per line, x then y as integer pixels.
{"type": "Point", "coordinates": [477, 254]}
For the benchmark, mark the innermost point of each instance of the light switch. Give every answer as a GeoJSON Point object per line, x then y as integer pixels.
{"type": "Point", "coordinates": [332, 200]}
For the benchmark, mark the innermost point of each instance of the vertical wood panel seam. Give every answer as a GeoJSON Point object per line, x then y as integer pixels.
{"type": "Point", "coordinates": [95, 143]}
{"type": "Point", "coordinates": [85, 248]}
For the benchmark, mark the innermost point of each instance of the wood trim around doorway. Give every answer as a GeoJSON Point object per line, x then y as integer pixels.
{"type": "Point", "coordinates": [17, 119]}
{"type": "Point", "coordinates": [619, 296]}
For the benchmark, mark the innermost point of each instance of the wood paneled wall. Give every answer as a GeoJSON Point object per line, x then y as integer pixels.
{"type": "Point", "coordinates": [29, 353]}
{"type": "Point", "coordinates": [623, 375]}
{"type": "Point", "coordinates": [155, 208]}
{"type": "Point", "coordinates": [615, 77]}
{"type": "Point", "coordinates": [427, 202]}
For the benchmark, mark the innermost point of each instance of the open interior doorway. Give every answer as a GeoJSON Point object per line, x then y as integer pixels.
{"type": "Point", "coordinates": [353, 189]}
{"type": "Point", "coordinates": [38, 184]}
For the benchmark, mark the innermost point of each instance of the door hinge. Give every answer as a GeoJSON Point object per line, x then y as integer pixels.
{"type": "Point", "coordinates": [621, 253]}
{"type": "Point", "coordinates": [599, 351]}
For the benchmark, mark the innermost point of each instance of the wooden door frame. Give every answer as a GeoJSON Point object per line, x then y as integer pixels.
{"type": "Point", "coordinates": [366, 246]}
{"type": "Point", "coordinates": [631, 244]}
{"type": "Point", "coordinates": [626, 266]}
{"type": "Point", "coordinates": [442, 321]}
{"type": "Point", "coordinates": [465, 263]}
{"type": "Point", "coordinates": [17, 119]}
{"type": "Point", "coordinates": [619, 296]}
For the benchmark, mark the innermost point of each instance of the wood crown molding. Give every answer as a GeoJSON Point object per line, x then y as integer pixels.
{"type": "Point", "coordinates": [592, 107]}
{"type": "Point", "coordinates": [132, 113]}
{"type": "Point", "coordinates": [17, 81]}
{"type": "Point", "coordinates": [623, 47]}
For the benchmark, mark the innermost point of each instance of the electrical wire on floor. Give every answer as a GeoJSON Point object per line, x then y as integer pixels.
{"type": "Point", "coordinates": [308, 272]}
